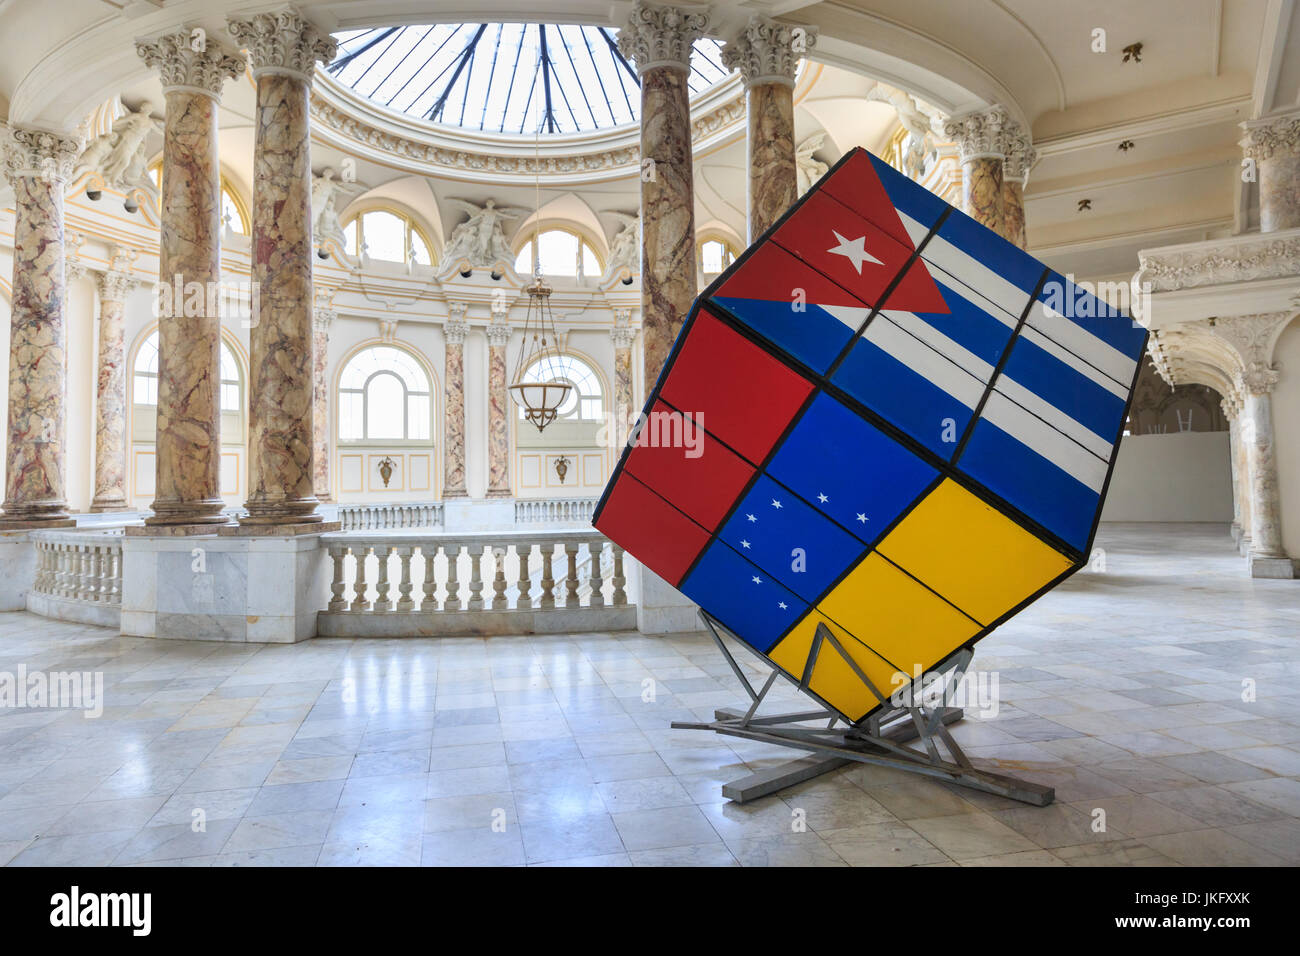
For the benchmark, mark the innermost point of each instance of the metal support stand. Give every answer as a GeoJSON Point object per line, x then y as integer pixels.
{"type": "Point", "coordinates": [881, 738]}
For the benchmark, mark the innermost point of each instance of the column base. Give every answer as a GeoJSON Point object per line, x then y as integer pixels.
{"type": "Point", "coordinates": [1271, 566]}
{"type": "Point", "coordinates": [499, 493]}
{"type": "Point", "coordinates": [170, 514]}
{"type": "Point", "coordinates": [35, 524]}
{"type": "Point", "coordinates": [116, 504]}
{"type": "Point", "coordinates": [246, 530]}
{"type": "Point", "coordinates": [148, 530]}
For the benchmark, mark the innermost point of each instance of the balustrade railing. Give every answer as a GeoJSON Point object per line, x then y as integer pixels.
{"type": "Point", "coordinates": [554, 510]}
{"type": "Point", "coordinates": [391, 516]}
{"type": "Point", "coordinates": [78, 575]}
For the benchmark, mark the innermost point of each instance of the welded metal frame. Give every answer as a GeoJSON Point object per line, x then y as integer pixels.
{"type": "Point", "coordinates": [880, 737]}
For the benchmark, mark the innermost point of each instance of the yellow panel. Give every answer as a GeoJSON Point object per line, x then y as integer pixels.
{"type": "Point", "coordinates": [896, 617]}
{"type": "Point", "coordinates": [971, 553]}
{"type": "Point", "coordinates": [833, 680]}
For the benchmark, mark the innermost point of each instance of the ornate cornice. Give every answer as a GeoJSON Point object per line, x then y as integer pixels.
{"type": "Point", "coordinates": [181, 67]}
{"type": "Point", "coordinates": [985, 134]}
{"type": "Point", "coordinates": [284, 42]}
{"type": "Point", "coordinates": [1240, 259]}
{"type": "Point", "coordinates": [767, 51]}
{"type": "Point", "coordinates": [661, 36]}
{"type": "Point", "coordinates": [1271, 136]}
{"type": "Point", "coordinates": [47, 156]}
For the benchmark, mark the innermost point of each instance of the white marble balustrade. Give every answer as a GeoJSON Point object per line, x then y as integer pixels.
{"type": "Point", "coordinates": [78, 576]}
{"type": "Point", "coordinates": [391, 516]}
{"type": "Point", "coordinates": [554, 510]}
{"type": "Point", "coordinates": [476, 584]}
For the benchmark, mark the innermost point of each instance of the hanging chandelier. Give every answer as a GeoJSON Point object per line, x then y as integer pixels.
{"type": "Point", "coordinates": [537, 387]}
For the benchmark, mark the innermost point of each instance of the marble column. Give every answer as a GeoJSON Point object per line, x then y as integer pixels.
{"type": "Point", "coordinates": [37, 165]}
{"type": "Point", "coordinates": [188, 450]}
{"type": "Point", "coordinates": [1267, 557]}
{"type": "Point", "coordinates": [1274, 144]}
{"type": "Point", "coordinates": [283, 47]}
{"type": "Point", "coordinates": [623, 335]}
{"type": "Point", "coordinates": [1015, 176]}
{"type": "Point", "coordinates": [322, 319]}
{"type": "Point", "coordinates": [110, 393]}
{"type": "Point", "coordinates": [499, 404]}
{"type": "Point", "coordinates": [766, 53]}
{"type": "Point", "coordinates": [1231, 412]}
{"type": "Point", "coordinates": [979, 139]}
{"type": "Point", "coordinates": [659, 39]}
{"type": "Point", "coordinates": [454, 332]}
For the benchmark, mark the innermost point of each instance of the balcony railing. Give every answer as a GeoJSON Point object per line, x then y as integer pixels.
{"type": "Point", "coordinates": [391, 516]}
{"type": "Point", "coordinates": [554, 510]}
{"type": "Point", "coordinates": [414, 584]}
{"type": "Point", "coordinates": [78, 576]}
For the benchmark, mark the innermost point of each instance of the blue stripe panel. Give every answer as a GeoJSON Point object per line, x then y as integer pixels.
{"type": "Point", "coordinates": [1031, 483]}
{"type": "Point", "coordinates": [1094, 315]}
{"type": "Point", "coordinates": [793, 542]}
{"type": "Point", "coordinates": [915, 200]}
{"type": "Point", "coordinates": [723, 583]}
{"type": "Point", "coordinates": [969, 325]}
{"type": "Point", "coordinates": [1005, 258]}
{"type": "Point", "coordinates": [867, 477]}
{"type": "Point", "coordinates": [813, 336]}
{"type": "Point", "coordinates": [1097, 409]}
{"type": "Point", "coordinates": [907, 400]}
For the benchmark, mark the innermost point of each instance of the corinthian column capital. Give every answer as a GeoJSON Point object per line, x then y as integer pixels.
{"type": "Point", "coordinates": [767, 51]}
{"type": "Point", "coordinates": [1272, 136]}
{"type": "Point", "coordinates": [1257, 379]}
{"type": "Point", "coordinates": [498, 334]}
{"type": "Point", "coordinates": [283, 41]}
{"type": "Point", "coordinates": [983, 134]}
{"type": "Point", "coordinates": [658, 35]}
{"type": "Point", "coordinates": [37, 153]}
{"type": "Point", "coordinates": [182, 67]}
{"type": "Point", "coordinates": [1020, 156]}
{"type": "Point", "coordinates": [114, 286]}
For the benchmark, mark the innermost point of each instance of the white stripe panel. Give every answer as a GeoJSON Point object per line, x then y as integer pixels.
{"type": "Point", "coordinates": [928, 334]}
{"type": "Point", "coordinates": [915, 230]}
{"type": "Point", "coordinates": [1034, 433]}
{"type": "Point", "coordinates": [926, 362]}
{"type": "Point", "coordinates": [967, 269]}
{"type": "Point", "coordinates": [1083, 343]}
{"type": "Point", "coordinates": [850, 315]}
{"type": "Point", "coordinates": [987, 306]}
{"type": "Point", "coordinates": [1053, 416]}
{"type": "Point", "coordinates": [1030, 334]}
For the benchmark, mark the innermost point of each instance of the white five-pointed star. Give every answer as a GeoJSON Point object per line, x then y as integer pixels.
{"type": "Point", "coordinates": [775, 503]}
{"type": "Point", "coordinates": [751, 517]}
{"type": "Point", "coordinates": [855, 251]}
{"type": "Point", "coordinates": [782, 605]}
{"type": "Point", "coordinates": [823, 499]}
{"type": "Point", "coordinates": [757, 579]}
{"type": "Point", "coordinates": [862, 518]}
{"type": "Point", "coordinates": [744, 543]}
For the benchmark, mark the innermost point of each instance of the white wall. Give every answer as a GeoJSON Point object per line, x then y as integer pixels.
{"type": "Point", "coordinates": [1175, 477]}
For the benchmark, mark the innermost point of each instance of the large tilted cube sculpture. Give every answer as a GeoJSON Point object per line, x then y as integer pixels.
{"type": "Point", "coordinates": [884, 418]}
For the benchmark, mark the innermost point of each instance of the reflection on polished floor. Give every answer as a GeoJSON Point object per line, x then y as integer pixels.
{"type": "Point", "coordinates": [1123, 689]}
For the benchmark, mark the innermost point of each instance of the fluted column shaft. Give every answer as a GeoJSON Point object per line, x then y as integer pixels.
{"type": "Point", "coordinates": [187, 489]}
{"type": "Point", "coordinates": [320, 346]}
{"type": "Point", "coordinates": [659, 39]}
{"type": "Point", "coordinates": [110, 395]}
{"type": "Point", "coordinates": [1274, 144]}
{"type": "Point", "coordinates": [498, 404]}
{"type": "Point", "coordinates": [37, 165]}
{"type": "Point", "coordinates": [283, 48]}
{"type": "Point", "coordinates": [454, 377]}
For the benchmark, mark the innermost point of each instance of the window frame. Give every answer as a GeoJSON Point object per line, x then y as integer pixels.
{"type": "Point", "coordinates": [354, 232]}
{"type": "Point", "coordinates": [527, 239]}
{"type": "Point", "coordinates": [364, 392]}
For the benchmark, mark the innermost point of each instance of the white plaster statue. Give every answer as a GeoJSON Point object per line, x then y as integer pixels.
{"type": "Point", "coordinates": [325, 190]}
{"type": "Point", "coordinates": [918, 144]}
{"type": "Point", "coordinates": [119, 155]}
{"type": "Point", "coordinates": [809, 170]}
{"type": "Point", "coordinates": [481, 238]}
{"type": "Point", "coordinates": [625, 250]}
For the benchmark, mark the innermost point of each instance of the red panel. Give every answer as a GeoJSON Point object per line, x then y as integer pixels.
{"type": "Point", "coordinates": [693, 471]}
{"type": "Point", "coordinates": [773, 274]}
{"type": "Point", "coordinates": [646, 526]}
{"type": "Point", "coordinates": [857, 255]}
{"type": "Point", "coordinates": [857, 186]}
{"type": "Point", "coordinates": [735, 389]}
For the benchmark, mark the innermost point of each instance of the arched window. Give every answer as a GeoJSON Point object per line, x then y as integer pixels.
{"type": "Point", "coordinates": [384, 395]}
{"type": "Point", "coordinates": [715, 256]}
{"type": "Point", "coordinates": [561, 253]}
{"type": "Point", "coordinates": [390, 236]}
{"type": "Point", "coordinates": [233, 212]}
{"type": "Point", "coordinates": [145, 391]}
{"type": "Point", "coordinates": [584, 401]}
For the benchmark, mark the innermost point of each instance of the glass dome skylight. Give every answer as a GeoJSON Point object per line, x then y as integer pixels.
{"type": "Point", "coordinates": [516, 78]}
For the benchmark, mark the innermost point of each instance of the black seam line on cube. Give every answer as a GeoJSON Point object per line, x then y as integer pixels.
{"type": "Point", "coordinates": [889, 291]}
{"type": "Point", "coordinates": [1065, 348]}
{"type": "Point", "coordinates": [1119, 441]}
{"type": "Point", "coordinates": [1002, 361]}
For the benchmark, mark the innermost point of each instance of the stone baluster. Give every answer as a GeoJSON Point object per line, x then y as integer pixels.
{"type": "Point", "coordinates": [1273, 142]}
{"type": "Point", "coordinates": [429, 601]}
{"type": "Point", "coordinates": [454, 333]}
{"type": "Point", "coordinates": [404, 600]}
{"type": "Point", "coordinates": [475, 577]}
{"type": "Point", "coordinates": [618, 580]}
{"type": "Point", "coordinates": [188, 446]}
{"type": "Point", "coordinates": [499, 579]}
{"type": "Point", "coordinates": [283, 48]}
{"type": "Point", "coordinates": [571, 579]}
{"type": "Point", "coordinates": [337, 601]}
{"type": "Point", "coordinates": [359, 601]}
{"type": "Point", "coordinates": [524, 553]}
{"type": "Point", "coordinates": [382, 603]}
{"type": "Point", "coordinates": [499, 405]}
{"type": "Point", "coordinates": [548, 579]}
{"type": "Point", "coordinates": [766, 53]}
{"type": "Point", "coordinates": [37, 165]}
{"type": "Point", "coordinates": [659, 39]}
{"type": "Point", "coordinates": [453, 585]}
{"type": "Point", "coordinates": [595, 550]}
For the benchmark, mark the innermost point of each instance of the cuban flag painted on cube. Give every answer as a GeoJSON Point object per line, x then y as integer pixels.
{"type": "Point", "coordinates": [882, 418]}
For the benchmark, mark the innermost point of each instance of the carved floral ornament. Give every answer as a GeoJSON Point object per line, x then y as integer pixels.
{"type": "Point", "coordinates": [283, 41]}
{"type": "Point", "coordinates": [1271, 136]}
{"type": "Point", "coordinates": [1214, 264]}
{"type": "Point", "coordinates": [181, 67]}
{"type": "Point", "coordinates": [767, 51]}
{"type": "Point", "coordinates": [33, 152]}
{"type": "Point", "coordinates": [658, 36]}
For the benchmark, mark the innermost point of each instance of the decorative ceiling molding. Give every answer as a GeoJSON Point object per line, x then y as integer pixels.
{"type": "Point", "coordinates": [1218, 262]}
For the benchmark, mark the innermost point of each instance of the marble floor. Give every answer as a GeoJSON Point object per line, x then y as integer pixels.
{"type": "Point", "coordinates": [1123, 689]}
